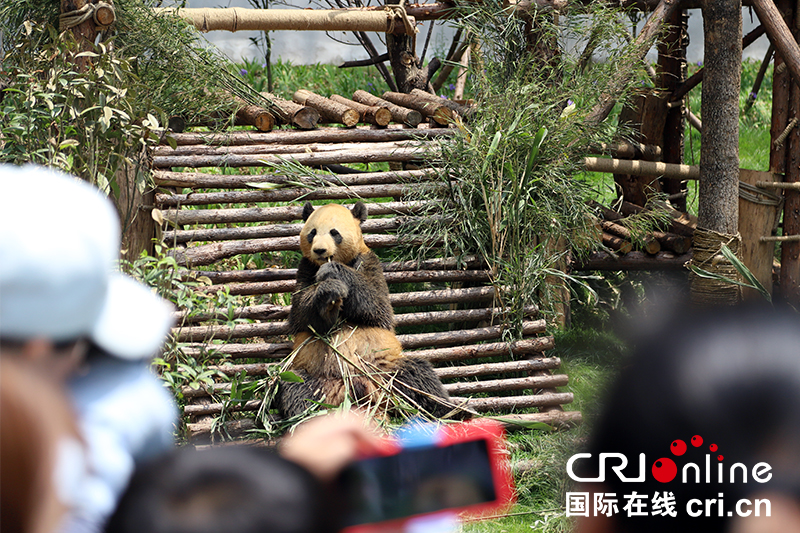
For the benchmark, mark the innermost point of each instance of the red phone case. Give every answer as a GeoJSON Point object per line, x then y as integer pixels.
{"type": "Point", "coordinates": [488, 430]}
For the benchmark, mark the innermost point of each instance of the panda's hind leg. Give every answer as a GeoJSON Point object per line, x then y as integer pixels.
{"type": "Point", "coordinates": [292, 397]}
{"type": "Point", "coordinates": [417, 383]}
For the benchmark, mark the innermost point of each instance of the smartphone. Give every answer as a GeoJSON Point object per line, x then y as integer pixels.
{"type": "Point", "coordinates": [465, 469]}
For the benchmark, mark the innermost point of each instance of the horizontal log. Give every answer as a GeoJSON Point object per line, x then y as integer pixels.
{"type": "Point", "coordinates": [556, 419]}
{"type": "Point", "coordinates": [329, 110]}
{"type": "Point", "coordinates": [247, 19]}
{"type": "Point", "coordinates": [218, 408]}
{"type": "Point", "coordinates": [210, 253]}
{"type": "Point", "coordinates": [634, 261]}
{"type": "Point", "coordinates": [253, 312]}
{"type": "Point", "coordinates": [442, 296]}
{"type": "Point", "coordinates": [201, 432]}
{"type": "Point", "coordinates": [310, 159]}
{"type": "Point", "coordinates": [495, 349]}
{"type": "Point", "coordinates": [379, 116]}
{"type": "Point", "coordinates": [673, 242]}
{"type": "Point", "coordinates": [268, 329]}
{"type": "Point", "coordinates": [516, 402]}
{"type": "Point", "coordinates": [465, 336]}
{"type": "Point", "coordinates": [681, 223]}
{"type": "Point", "coordinates": [509, 384]}
{"type": "Point", "coordinates": [648, 152]}
{"type": "Point", "coordinates": [438, 112]}
{"type": "Point", "coordinates": [651, 245]}
{"type": "Point", "coordinates": [320, 135]}
{"type": "Point", "coordinates": [261, 350]}
{"type": "Point", "coordinates": [374, 225]}
{"type": "Point", "coordinates": [281, 286]}
{"type": "Point", "coordinates": [616, 243]}
{"type": "Point", "coordinates": [526, 365]}
{"type": "Point", "coordinates": [253, 115]}
{"type": "Point", "coordinates": [400, 114]}
{"type": "Point", "coordinates": [288, 213]}
{"type": "Point", "coordinates": [276, 148]}
{"type": "Point", "coordinates": [462, 110]}
{"type": "Point", "coordinates": [294, 194]}
{"type": "Point", "coordinates": [448, 372]}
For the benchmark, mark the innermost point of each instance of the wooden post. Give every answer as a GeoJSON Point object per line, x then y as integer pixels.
{"type": "Point", "coordinates": [718, 213]}
{"type": "Point", "coordinates": [672, 68]}
{"type": "Point", "coordinates": [401, 45]}
{"type": "Point", "coordinates": [790, 250]}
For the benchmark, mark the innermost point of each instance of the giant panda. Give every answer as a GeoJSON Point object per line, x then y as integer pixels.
{"type": "Point", "coordinates": [343, 325]}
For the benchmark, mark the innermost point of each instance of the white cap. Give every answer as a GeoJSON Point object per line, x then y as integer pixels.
{"type": "Point", "coordinates": [59, 242]}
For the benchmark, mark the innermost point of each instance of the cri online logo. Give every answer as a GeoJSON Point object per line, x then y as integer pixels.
{"type": "Point", "coordinates": [665, 470]}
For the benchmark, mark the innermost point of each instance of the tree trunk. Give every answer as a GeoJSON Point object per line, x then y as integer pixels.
{"type": "Point", "coordinates": [402, 56]}
{"type": "Point", "coordinates": [718, 211]}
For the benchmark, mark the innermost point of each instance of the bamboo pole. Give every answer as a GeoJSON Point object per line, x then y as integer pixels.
{"type": "Point", "coordinates": [380, 116]}
{"type": "Point", "coordinates": [293, 194]}
{"type": "Point", "coordinates": [328, 109]}
{"type": "Point", "coordinates": [435, 110]}
{"type": "Point", "coordinates": [508, 384]}
{"type": "Point", "coordinates": [634, 261]}
{"type": "Point", "coordinates": [515, 402]}
{"type": "Point", "coordinates": [321, 135]}
{"type": "Point", "coordinates": [364, 155]}
{"type": "Point", "coordinates": [302, 117]}
{"type": "Point", "coordinates": [624, 150]}
{"type": "Point", "coordinates": [181, 217]}
{"type": "Point", "coordinates": [245, 19]}
{"type": "Point", "coordinates": [199, 180]}
{"type": "Point", "coordinates": [402, 115]}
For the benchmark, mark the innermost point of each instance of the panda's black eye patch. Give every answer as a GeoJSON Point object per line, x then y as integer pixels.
{"type": "Point", "coordinates": [311, 235]}
{"type": "Point", "coordinates": [337, 237]}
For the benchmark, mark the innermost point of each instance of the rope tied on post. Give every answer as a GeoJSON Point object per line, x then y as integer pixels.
{"type": "Point", "coordinates": [396, 12]}
{"type": "Point", "coordinates": [707, 256]}
{"type": "Point", "coordinates": [102, 12]}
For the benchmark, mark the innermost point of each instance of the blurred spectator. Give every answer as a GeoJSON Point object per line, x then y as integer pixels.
{"type": "Point", "coordinates": [713, 389]}
{"type": "Point", "coordinates": [237, 489]}
{"type": "Point", "coordinates": [61, 297]}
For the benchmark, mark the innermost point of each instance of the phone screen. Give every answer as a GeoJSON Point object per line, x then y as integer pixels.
{"type": "Point", "coordinates": [416, 481]}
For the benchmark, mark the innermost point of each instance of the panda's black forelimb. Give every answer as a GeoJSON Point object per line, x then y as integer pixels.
{"type": "Point", "coordinates": [416, 380]}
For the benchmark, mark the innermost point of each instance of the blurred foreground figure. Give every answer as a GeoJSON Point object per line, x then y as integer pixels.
{"type": "Point", "coordinates": [61, 299]}
{"type": "Point", "coordinates": [712, 400]}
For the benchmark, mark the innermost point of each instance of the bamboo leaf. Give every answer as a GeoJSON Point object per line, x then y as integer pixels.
{"type": "Point", "coordinates": [745, 272]}
{"type": "Point", "coordinates": [290, 376]}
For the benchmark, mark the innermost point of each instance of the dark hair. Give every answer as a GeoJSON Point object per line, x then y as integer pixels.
{"type": "Point", "coordinates": [237, 488]}
{"type": "Point", "coordinates": [730, 376]}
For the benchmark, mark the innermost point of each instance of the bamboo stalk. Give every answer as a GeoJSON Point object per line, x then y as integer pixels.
{"type": "Point", "coordinates": [380, 116]}
{"type": "Point", "coordinates": [211, 253]}
{"type": "Point", "coordinates": [364, 155]}
{"type": "Point", "coordinates": [320, 135]}
{"type": "Point", "coordinates": [642, 168]}
{"type": "Point", "coordinates": [557, 419]}
{"type": "Point", "coordinates": [634, 261]}
{"type": "Point", "coordinates": [199, 180]}
{"type": "Point", "coordinates": [291, 113]}
{"type": "Point", "coordinates": [402, 115]}
{"type": "Point", "coordinates": [293, 194]}
{"type": "Point", "coordinates": [328, 109]}
{"type": "Point", "coordinates": [515, 402]}
{"type": "Point", "coordinates": [245, 19]}
{"type": "Point", "coordinates": [508, 384]}
{"type": "Point", "coordinates": [181, 217]}
{"type": "Point", "coordinates": [439, 113]}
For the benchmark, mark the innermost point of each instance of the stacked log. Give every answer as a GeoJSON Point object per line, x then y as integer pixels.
{"type": "Point", "coordinates": [671, 248]}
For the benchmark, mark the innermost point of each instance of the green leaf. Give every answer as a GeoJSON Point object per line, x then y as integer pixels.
{"type": "Point", "coordinates": [745, 272]}
{"type": "Point", "coordinates": [290, 376]}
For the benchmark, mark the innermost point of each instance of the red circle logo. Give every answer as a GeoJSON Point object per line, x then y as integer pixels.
{"type": "Point", "coordinates": [713, 447]}
{"type": "Point", "coordinates": [697, 441]}
{"type": "Point", "coordinates": [719, 458]}
{"type": "Point", "coordinates": [678, 447]}
{"type": "Point", "coordinates": [664, 470]}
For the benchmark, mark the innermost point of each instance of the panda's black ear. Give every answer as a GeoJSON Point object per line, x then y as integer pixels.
{"type": "Point", "coordinates": [360, 211]}
{"type": "Point", "coordinates": [307, 210]}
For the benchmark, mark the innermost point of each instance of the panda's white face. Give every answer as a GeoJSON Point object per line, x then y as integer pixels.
{"type": "Point", "coordinates": [331, 233]}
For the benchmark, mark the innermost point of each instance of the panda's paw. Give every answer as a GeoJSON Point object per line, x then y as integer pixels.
{"type": "Point", "coordinates": [332, 290]}
{"type": "Point", "coordinates": [330, 270]}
